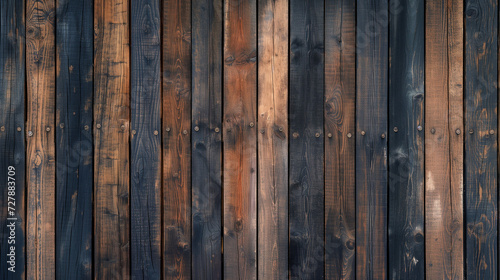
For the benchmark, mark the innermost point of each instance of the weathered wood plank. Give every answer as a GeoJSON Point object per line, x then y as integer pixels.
{"type": "Point", "coordinates": [306, 178]}
{"type": "Point", "coordinates": [12, 145]}
{"type": "Point", "coordinates": [145, 201]}
{"type": "Point", "coordinates": [371, 141]}
{"type": "Point", "coordinates": [176, 139]}
{"type": "Point", "coordinates": [340, 96]}
{"type": "Point", "coordinates": [74, 43]}
{"type": "Point", "coordinates": [111, 140]}
{"type": "Point", "coordinates": [206, 139]}
{"type": "Point", "coordinates": [443, 147]}
{"type": "Point", "coordinates": [406, 145]}
{"type": "Point", "coordinates": [481, 147]}
{"type": "Point", "coordinates": [273, 139]}
{"type": "Point", "coordinates": [40, 151]}
{"type": "Point", "coordinates": [240, 139]}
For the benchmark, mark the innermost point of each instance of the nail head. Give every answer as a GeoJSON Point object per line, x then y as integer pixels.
{"type": "Point", "coordinates": [330, 135]}
{"type": "Point", "coordinates": [433, 130]}
{"type": "Point", "coordinates": [217, 129]}
{"type": "Point", "coordinates": [457, 131]}
{"type": "Point", "coordinates": [167, 129]}
{"type": "Point", "coordinates": [30, 133]}
{"type": "Point", "coordinates": [61, 125]}
{"type": "Point", "coordinates": [295, 135]}
{"type": "Point", "coordinates": [419, 128]}
{"type": "Point", "coordinates": [2, 128]}
{"type": "Point", "coordinates": [47, 129]}
{"type": "Point", "coordinates": [196, 128]}
{"type": "Point", "coordinates": [363, 132]}
{"type": "Point", "coordinates": [18, 129]}
{"type": "Point", "coordinates": [492, 132]}
{"type": "Point", "coordinates": [396, 129]}
{"type": "Point", "coordinates": [134, 132]}
{"type": "Point", "coordinates": [281, 129]}
{"type": "Point", "coordinates": [382, 136]}
{"type": "Point", "coordinates": [86, 127]}
{"type": "Point", "coordinates": [185, 132]}
{"type": "Point", "coordinates": [155, 132]}
{"type": "Point", "coordinates": [317, 135]}
{"type": "Point", "coordinates": [349, 135]}
{"type": "Point", "coordinates": [252, 124]}
{"type": "Point", "coordinates": [471, 131]}
{"type": "Point", "coordinates": [98, 125]}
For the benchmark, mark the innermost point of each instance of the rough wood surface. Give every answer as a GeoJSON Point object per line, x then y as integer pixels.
{"type": "Point", "coordinates": [12, 141]}
{"type": "Point", "coordinates": [74, 59]}
{"type": "Point", "coordinates": [145, 169]}
{"type": "Point", "coordinates": [111, 140]}
{"type": "Point", "coordinates": [406, 145]}
{"type": "Point", "coordinates": [481, 147]}
{"type": "Point", "coordinates": [340, 96]}
{"type": "Point", "coordinates": [371, 139]}
{"type": "Point", "coordinates": [443, 147]}
{"type": "Point", "coordinates": [240, 139]}
{"type": "Point", "coordinates": [206, 140]}
{"type": "Point", "coordinates": [306, 172]}
{"type": "Point", "coordinates": [40, 150]}
{"type": "Point", "coordinates": [176, 249]}
{"type": "Point", "coordinates": [272, 112]}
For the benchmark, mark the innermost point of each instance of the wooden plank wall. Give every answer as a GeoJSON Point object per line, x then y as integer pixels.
{"type": "Point", "coordinates": [249, 139]}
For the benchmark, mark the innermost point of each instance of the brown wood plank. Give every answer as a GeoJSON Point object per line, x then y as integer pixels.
{"type": "Point", "coordinates": [176, 139]}
{"type": "Point", "coordinates": [111, 140]}
{"type": "Point", "coordinates": [40, 74]}
{"type": "Point", "coordinates": [443, 147]}
{"type": "Point", "coordinates": [340, 95]}
{"type": "Point", "coordinates": [273, 139]}
{"type": "Point", "coordinates": [240, 139]}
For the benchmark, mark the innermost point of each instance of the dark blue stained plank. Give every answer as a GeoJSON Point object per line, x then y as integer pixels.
{"type": "Point", "coordinates": [145, 168]}
{"type": "Point", "coordinates": [406, 145]}
{"type": "Point", "coordinates": [481, 147]}
{"type": "Point", "coordinates": [12, 146]}
{"type": "Point", "coordinates": [306, 166]}
{"type": "Point", "coordinates": [206, 139]}
{"type": "Point", "coordinates": [74, 85]}
{"type": "Point", "coordinates": [371, 138]}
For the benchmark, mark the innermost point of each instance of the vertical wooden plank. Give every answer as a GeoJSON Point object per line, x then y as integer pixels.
{"type": "Point", "coordinates": [145, 201]}
{"type": "Point", "coordinates": [206, 140]}
{"type": "Point", "coordinates": [40, 73]}
{"type": "Point", "coordinates": [406, 145]}
{"type": "Point", "coordinates": [306, 193]}
{"type": "Point", "coordinates": [340, 95]}
{"type": "Point", "coordinates": [273, 139]}
{"type": "Point", "coordinates": [443, 146]}
{"type": "Point", "coordinates": [12, 146]}
{"type": "Point", "coordinates": [74, 42]}
{"type": "Point", "coordinates": [481, 105]}
{"type": "Point", "coordinates": [240, 139]}
{"type": "Point", "coordinates": [371, 141]}
{"type": "Point", "coordinates": [176, 139]}
{"type": "Point", "coordinates": [111, 140]}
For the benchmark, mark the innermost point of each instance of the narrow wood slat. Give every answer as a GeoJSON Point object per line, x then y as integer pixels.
{"type": "Point", "coordinates": [340, 97]}
{"type": "Point", "coordinates": [240, 139]}
{"type": "Point", "coordinates": [371, 139]}
{"type": "Point", "coordinates": [145, 200]}
{"type": "Point", "coordinates": [481, 147]}
{"type": "Point", "coordinates": [406, 145]}
{"type": "Point", "coordinates": [306, 177]}
{"type": "Point", "coordinates": [273, 139]}
{"type": "Point", "coordinates": [12, 145]}
{"type": "Point", "coordinates": [74, 43]}
{"type": "Point", "coordinates": [206, 140]}
{"type": "Point", "coordinates": [111, 140]}
{"type": "Point", "coordinates": [443, 147]}
{"type": "Point", "coordinates": [40, 74]}
{"type": "Point", "coordinates": [176, 249]}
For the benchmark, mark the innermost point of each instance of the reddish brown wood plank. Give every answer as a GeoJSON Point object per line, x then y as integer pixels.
{"type": "Point", "coordinates": [111, 140]}
{"type": "Point", "coordinates": [40, 74]}
{"type": "Point", "coordinates": [176, 139]}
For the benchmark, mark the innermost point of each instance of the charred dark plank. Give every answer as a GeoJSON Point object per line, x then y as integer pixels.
{"type": "Point", "coordinates": [306, 177]}
{"type": "Point", "coordinates": [206, 139]}
{"type": "Point", "coordinates": [371, 140]}
{"type": "Point", "coordinates": [145, 169]}
{"type": "Point", "coordinates": [12, 145]}
{"type": "Point", "coordinates": [406, 145]}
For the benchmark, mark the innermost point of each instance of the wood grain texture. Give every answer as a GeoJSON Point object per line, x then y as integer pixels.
{"type": "Point", "coordinates": [111, 140]}
{"type": "Point", "coordinates": [481, 116]}
{"type": "Point", "coordinates": [206, 141]}
{"type": "Point", "coordinates": [12, 141]}
{"type": "Point", "coordinates": [443, 147]}
{"type": "Point", "coordinates": [340, 96]}
{"type": "Point", "coordinates": [371, 140]}
{"type": "Point", "coordinates": [306, 172]}
{"type": "Point", "coordinates": [272, 105]}
{"type": "Point", "coordinates": [240, 139]}
{"type": "Point", "coordinates": [145, 202]}
{"type": "Point", "coordinates": [406, 145]}
{"type": "Point", "coordinates": [176, 139]}
{"type": "Point", "coordinates": [74, 59]}
{"type": "Point", "coordinates": [40, 150]}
